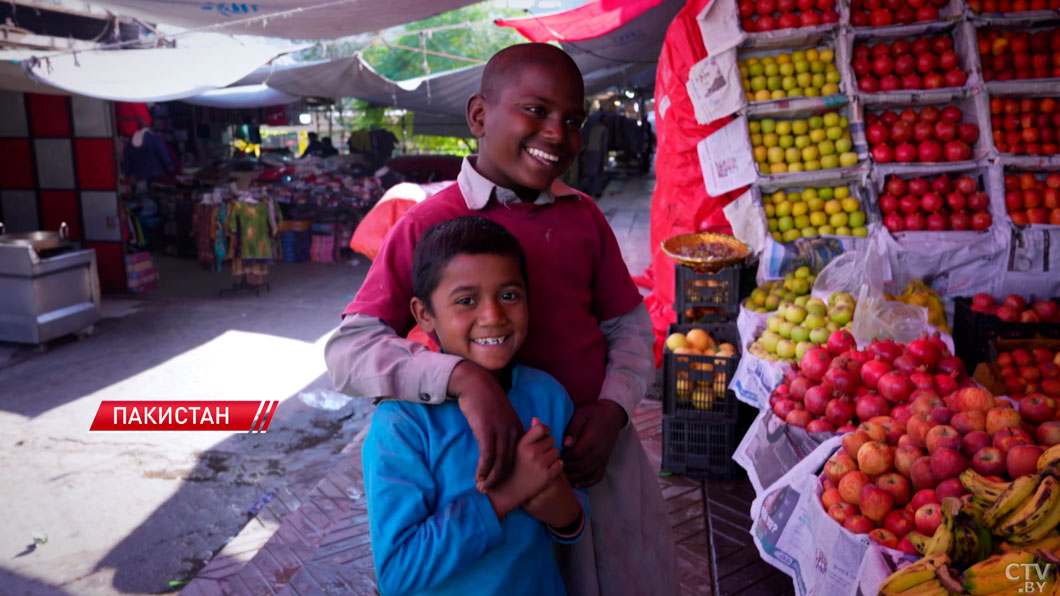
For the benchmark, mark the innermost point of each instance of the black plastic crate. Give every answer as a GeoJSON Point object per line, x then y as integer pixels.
{"type": "Point", "coordinates": [973, 332]}
{"type": "Point", "coordinates": [698, 448]}
{"type": "Point", "coordinates": [718, 291]}
{"type": "Point", "coordinates": [696, 387]}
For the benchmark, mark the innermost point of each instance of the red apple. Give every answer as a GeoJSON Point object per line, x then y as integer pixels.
{"type": "Point", "coordinates": [875, 503]}
{"type": "Point", "coordinates": [973, 398]}
{"type": "Point", "coordinates": [830, 497]}
{"type": "Point", "coordinates": [942, 436]}
{"type": "Point", "coordinates": [859, 524]}
{"type": "Point", "coordinates": [947, 463]}
{"type": "Point", "coordinates": [920, 474]}
{"type": "Point", "coordinates": [923, 497]}
{"type": "Point", "coordinates": [989, 461]}
{"type": "Point", "coordinates": [842, 511]}
{"type": "Point", "coordinates": [899, 522]}
{"type": "Point", "coordinates": [884, 538]}
{"type": "Point", "coordinates": [852, 442]}
{"type": "Point", "coordinates": [904, 456]}
{"type": "Point", "coordinates": [1048, 433]}
{"type": "Point", "coordinates": [838, 465]}
{"type": "Point", "coordinates": [972, 442]}
{"type": "Point", "coordinates": [875, 458]}
{"type": "Point", "coordinates": [928, 518]}
{"type": "Point", "coordinates": [1037, 408]}
{"type": "Point", "coordinates": [896, 484]}
{"type": "Point", "coordinates": [850, 486]}
{"type": "Point", "coordinates": [950, 487]}
{"type": "Point", "coordinates": [1007, 438]}
{"type": "Point", "coordinates": [999, 418]}
{"type": "Point", "coordinates": [966, 422]}
{"type": "Point", "coordinates": [1021, 460]}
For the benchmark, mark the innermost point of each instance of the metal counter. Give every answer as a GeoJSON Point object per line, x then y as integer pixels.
{"type": "Point", "coordinates": [42, 298]}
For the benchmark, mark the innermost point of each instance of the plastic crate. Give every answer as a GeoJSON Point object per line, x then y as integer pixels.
{"type": "Point", "coordinates": [720, 291]}
{"type": "Point", "coordinates": [699, 449]}
{"type": "Point", "coordinates": [696, 387]}
{"type": "Point", "coordinates": [973, 332]}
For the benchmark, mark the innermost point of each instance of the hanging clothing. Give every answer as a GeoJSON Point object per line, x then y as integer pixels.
{"type": "Point", "coordinates": [251, 231]}
{"type": "Point", "coordinates": [203, 230]}
{"type": "Point", "coordinates": [146, 157]}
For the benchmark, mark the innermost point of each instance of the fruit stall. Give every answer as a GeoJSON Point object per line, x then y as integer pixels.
{"type": "Point", "coordinates": [887, 306]}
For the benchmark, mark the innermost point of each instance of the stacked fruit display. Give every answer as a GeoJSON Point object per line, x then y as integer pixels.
{"type": "Point", "coordinates": [881, 13]}
{"type": "Point", "coordinates": [836, 385]}
{"type": "Point", "coordinates": [768, 15]}
{"type": "Point", "coordinates": [809, 73]}
{"type": "Point", "coordinates": [894, 471]}
{"type": "Point", "coordinates": [1026, 126]}
{"type": "Point", "coordinates": [1003, 6]}
{"type": "Point", "coordinates": [936, 204]}
{"type": "Point", "coordinates": [802, 145]}
{"type": "Point", "coordinates": [796, 328]}
{"type": "Point", "coordinates": [1015, 308]}
{"type": "Point", "coordinates": [698, 342]}
{"type": "Point", "coordinates": [1008, 55]}
{"type": "Point", "coordinates": [918, 293]}
{"type": "Point", "coordinates": [930, 135]}
{"type": "Point", "coordinates": [1033, 200]}
{"type": "Point", "coordinates": [1028, 372]}
{"type": "Point", "coordinates": [769, 296]}
{"type": "Point", "coordinates": [814, 211]}
{"type": "Point", "coordinates": [923, 63]}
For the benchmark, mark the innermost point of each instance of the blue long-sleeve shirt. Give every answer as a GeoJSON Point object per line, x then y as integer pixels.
{"type": "Point", "coordinates": [432, 531]}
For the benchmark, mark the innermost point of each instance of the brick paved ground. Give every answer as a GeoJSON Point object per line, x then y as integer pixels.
{"type": "Point", "coordinates": [319, 544]}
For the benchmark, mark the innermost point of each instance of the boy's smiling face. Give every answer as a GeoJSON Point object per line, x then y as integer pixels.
{"type": "Point", "coordinates": [479, 309]}
{"type": "Point", "coordinates": [530, 130]}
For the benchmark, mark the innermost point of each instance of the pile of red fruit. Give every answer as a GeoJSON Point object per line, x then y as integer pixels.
{"type": "Point", "coordinates": [1033, 200]}
{"type": "Point", "coordinates": [881, 13]}
{"type": "Point", "coordinates": [1015, 309]}
{"type": "Point", "coordinates": [924, 63]}
{"type": "Point", "coordinates": [894, 471]}
{"type": "Point", "coordinates": [930, 135]}
{"type": "Point", "coordinates": [994, 6]}
{"type": "Point", "coordinates": [768, 15]}
{"type": "Point", "coordinates": [939, 204]}
{"type": "Point", "coordinates": [1030, 371]}
{"type": "Point", "coordinates": [1025, 126]}
{"type": "Point", "coordinates": [837, 385]}
{"type": "Point", "coordinates": [1008, 55]}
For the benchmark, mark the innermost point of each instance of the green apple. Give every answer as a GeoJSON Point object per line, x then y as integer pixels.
{"type": "Point", "coordinates": [814, 322]}
{"type": "Point", "coordinates": [769, 341]}
{"type": "Point", "coordinates": [785, 329]}
{"type": "Point", "coordinates": [786, 348]}
{"type": "Point", "coordinates": [857, 218]}
{"type": "Point", "coordinates": [841, 315]}
{"type": "Point", "coordinates": [800, 333]}
{"type": "Point", "coordinates": [848, 159]}
{"type": "Point", "coordinates": [773, 323]}
{"type": "Point", "coordinates": [837, 298]}
{"type": "Point", "coordinates": [801, 348]}
{"type": "Point", "coordinates": [772, 302]}
{"type": "Point", "coordinates": [816, 306]}
{"type": "Point", "coordinates": [795, 314]}
{"type": "Point", "coordinates": [801, 301]}
{"type": "Point", "coordinates": [820, 335]}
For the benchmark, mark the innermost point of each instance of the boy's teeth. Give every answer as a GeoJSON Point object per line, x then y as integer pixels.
{"type": "Point", "coordinates": [489, 341]}
{"type": "Point", "coordinates": [542, 154]}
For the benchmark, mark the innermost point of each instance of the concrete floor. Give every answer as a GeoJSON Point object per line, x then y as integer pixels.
{"type": "Point", "coordinates": [129, 513]}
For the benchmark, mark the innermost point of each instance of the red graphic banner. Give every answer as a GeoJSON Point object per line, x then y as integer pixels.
{"type": "Point", "coordinates": [191, 415]}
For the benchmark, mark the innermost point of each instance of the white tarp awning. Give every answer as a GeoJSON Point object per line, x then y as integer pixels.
{"type": "Point", "coordinates": [244, 96]}
{"type": "Point", "coordinates": [291, 19]}
{"type": "Point", "coordinates": [159, 74]}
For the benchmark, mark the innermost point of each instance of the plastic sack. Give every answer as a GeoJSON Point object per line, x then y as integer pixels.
{"type": "Point", "coordinates": [877, 317]}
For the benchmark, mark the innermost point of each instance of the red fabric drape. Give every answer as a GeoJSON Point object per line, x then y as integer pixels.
{"type": "Point", "coordinates": [680, 203]}
{"type": "Point", "coordinates": [585, 22]}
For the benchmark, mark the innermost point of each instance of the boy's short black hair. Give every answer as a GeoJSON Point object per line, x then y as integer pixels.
{"type": "Point", "coordinates": [512, 60]}
{"type": "Point", "coordinates": [468, 235]}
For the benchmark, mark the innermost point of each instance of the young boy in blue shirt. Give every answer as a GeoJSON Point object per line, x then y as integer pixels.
{"type": "Point", "coordinates": [432, 531]}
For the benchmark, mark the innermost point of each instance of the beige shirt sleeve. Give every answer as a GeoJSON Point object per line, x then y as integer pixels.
{"type": "Point", "coordinates": [365, 358]}
{"type": "Point", "coordinates": [630, 359]}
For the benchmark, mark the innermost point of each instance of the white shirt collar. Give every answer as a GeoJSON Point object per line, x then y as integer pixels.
{"type": "Point", "coordinates": [477, 189]}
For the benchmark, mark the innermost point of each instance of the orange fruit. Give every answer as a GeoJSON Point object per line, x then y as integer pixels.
{"type": "Point", "coordinates": [699, 339]}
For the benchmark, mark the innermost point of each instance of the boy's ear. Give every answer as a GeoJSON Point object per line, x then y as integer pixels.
{"type": "Point", "coordinates": [422, 315]}
{"type": "Point", "coordinates": [476, 115]}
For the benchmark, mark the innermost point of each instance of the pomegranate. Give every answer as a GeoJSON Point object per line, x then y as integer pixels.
{"type": "Point", "coordinates": [816, 399]}
{"type": "Point", "coordinates": [945, 384]}
{"type": "Point", "coordinates": [798, 387]}
{"type": "Point", "coordinates": [839, 411]}
{"type": "Point", "coordinates": [907, 362]}
{"type": "Point", "coordinates": [872, 370]}
{"type": "Point", "coordinates": [819, 425]}
{"type": "Point", "coordinates": [859, 356]}
{"type": "Point", "coordinates": [922, 380]}
{"type": "Point", "coordinates": [870, 406]}
{"type": "Point", "coordinates": [800, 418]}
{"type": "Point", "coordinates": [885, 349]}
{"type": "Point", "coordinates": [952, 364]}
{"type": "Point", "coordinates": [815, 363]}
{"type": "Point", "coordinates": [784, 407]}
{"type": "Point", "coordinates": [840, 341]}
{"type": "Point", "coordinates": [895, 386]}
{"type": "Point", "coordinates": [925, 351]}
{"type": "Point", "coordinates": [844, 382]}
{"type": "Point", "coordinates": [936, 340]}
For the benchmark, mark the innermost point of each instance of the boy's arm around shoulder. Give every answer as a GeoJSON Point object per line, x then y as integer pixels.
{"type": "Point", "coordinates": [365, 357]}
{"type": "Point", "coordinates": [415, 546]}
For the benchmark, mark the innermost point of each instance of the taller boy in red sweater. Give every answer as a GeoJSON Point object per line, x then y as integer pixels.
{"type": "Point", "coordinates": [590, 331]}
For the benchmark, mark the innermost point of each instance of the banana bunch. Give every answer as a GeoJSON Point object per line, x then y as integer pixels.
{"type": "Point", "coordinates": [929, 576]}
{"type": "Point", "coordinates": [1049, 461]}
{"type": "Point", "coordinates": [1023, 512]}
{"type": "Point", "coordinates": [1004, 574]}
{"type": "Point", "coordinates": [918, 293]}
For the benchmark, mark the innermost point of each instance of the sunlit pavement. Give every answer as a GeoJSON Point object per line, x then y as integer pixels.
{"type": "Point", "coordinates": [139, 513]}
